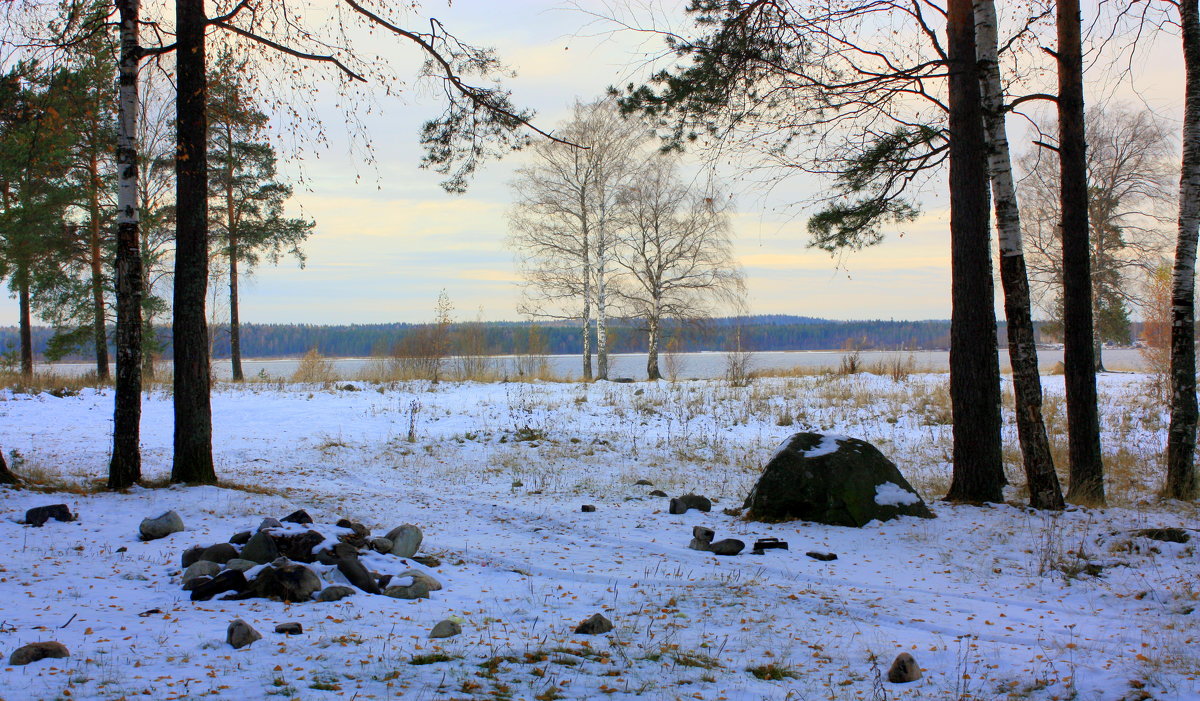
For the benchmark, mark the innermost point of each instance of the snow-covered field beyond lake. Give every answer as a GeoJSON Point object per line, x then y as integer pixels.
{"type": "Point", "coordinates": [998, 602]}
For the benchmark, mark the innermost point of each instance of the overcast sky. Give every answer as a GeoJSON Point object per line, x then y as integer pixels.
{"type": "Point", "coordinates": [388, 240]}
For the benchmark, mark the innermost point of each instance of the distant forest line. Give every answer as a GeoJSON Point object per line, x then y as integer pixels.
{"type": "Point", "coordinates": [758, 333]}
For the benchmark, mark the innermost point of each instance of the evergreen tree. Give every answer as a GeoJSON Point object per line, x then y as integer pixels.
{"type": "Point", "coordinates": [246, 221]}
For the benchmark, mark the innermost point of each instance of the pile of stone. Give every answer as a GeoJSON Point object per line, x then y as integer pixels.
{"type": "Point", "coordinates": [294, 559]}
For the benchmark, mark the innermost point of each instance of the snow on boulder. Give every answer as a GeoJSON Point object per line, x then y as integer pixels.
{"type": "Point", "coordinates": [832, 479]}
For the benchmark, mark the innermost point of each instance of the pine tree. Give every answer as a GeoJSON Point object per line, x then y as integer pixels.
{"type": "Point", "coordinates": [246, 221]}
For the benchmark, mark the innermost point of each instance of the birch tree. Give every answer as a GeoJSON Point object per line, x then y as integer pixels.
{"type": "Point", "coordinates": [1044, 489]}
{"type": "Point", "coordinates": [674, 250]}
{"type": "Point", "coordinates": [562, 225]}
{"type": "Point", "coordinates": [1181, 433]}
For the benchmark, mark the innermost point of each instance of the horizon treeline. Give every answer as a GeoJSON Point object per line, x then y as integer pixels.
{"type": "Point", "coordinates": [758, 333]}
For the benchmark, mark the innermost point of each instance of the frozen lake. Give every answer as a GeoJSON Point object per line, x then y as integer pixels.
{"type": "Point", "coordinates": [690, 365]}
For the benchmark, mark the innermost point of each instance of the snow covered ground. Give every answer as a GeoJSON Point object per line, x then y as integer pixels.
{"type": "Point", "coordinates": [996, 602]}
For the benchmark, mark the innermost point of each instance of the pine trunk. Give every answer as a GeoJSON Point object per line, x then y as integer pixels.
{"type": "Point", "coordinates": [25, 323]}
{"type": "Point", "coordinates": [96, 267]}
{"type": "Point", "coordinates": [235, 339]}
{"type": "Point", "coordinates": [1181, 435]}
{"type": "Point", "coordinates": [1083, 420]}
{"type": "Point", "coordinates": [6, 475]}
{"type": "Point", "coordinates": [1044, 489]}
{"type": "Point", "coordinates": [974, 369]}
{"type": "Point", "coordinates": [193, 411]}
{"type": "Point", "coordinates": [125, 467]}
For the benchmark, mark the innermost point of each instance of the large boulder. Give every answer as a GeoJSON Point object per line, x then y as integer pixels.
{"type": "Point", "coordinates": [832, 479]}
{"type": "Point", "coordinates": [160, 526]}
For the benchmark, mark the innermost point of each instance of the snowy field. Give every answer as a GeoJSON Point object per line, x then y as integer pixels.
{"type": "Point", "coordinates": [994, 603]}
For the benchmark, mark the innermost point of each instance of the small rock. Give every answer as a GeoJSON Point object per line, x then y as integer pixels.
{"type": "Point", "coordinates": [427, 560]}
{"type": "Point", "coordinates": [596, 625]}
{"type": "Point", "coordinates": [1165, 535]}
{"type": "Point", "coordinates": [191, 555]}
{"type": "Point", "coordinates": [823, 557]}
{"type": "Point", "coordinates": [241, 537]}
{"type": "Point", "coordinates": [239, 564]}
{"type": "Point", "coordinates": [406, 540]}
{"type": "Point", "coordinates": [587, 508]}
{"type": "Point", "coordinates": [291, 582]}
{"type": "Point", "coordinates": [202, 568]}
{"type": "Point", "coordinates": [381, 545]}
{"type": "Point", "coordinates": [39, 515]}
{"type": "Point", "coordinates": [160, 526]}
{"type": "Point", "coordinates": [298, 516]}
{"type": "Point", "coordinates": [658, 493]}
{"type": "Point", "coordinates": [416, 590]}
{"type": "Point", "coordinates": [445, 629]}
{"type": "Point", "coordinates": [228, 580]}
{"type": "Point", "coordinates": [702, 533]}
{"type": "Point", "coordinates": [296, 546]}
{"type": "Point", "coordinates": [292, 628]}
{"type": "Point", "coordinates": [644, 483]}
{"type": "Point", "coordinates": [681, 505]}
{"type": "Point", "coordinates": [196, 582]}
{"type": "Point", "coordinates": [219, 553]}
{"type": "Point", "coordinates": [260, 548]}
{"type": "Point", "coordinates": [359, 535]}
{"type": "Point", "coordinates": [240, 634]}
{"type": "Point", "coordinates": [729, 546]}
{"type": "Point", "coordinates": [700, 544]}
{"type": "Point", "coordinates": [269, 523]}
{"type": "Point", "coordinates": [770, 544]}
{"type": "Point", "coordinates": [336, 592]}
{"type": "Point", "coordinates": [37, 651]}
{"type": "Point", "coordinates": [904, 669]}
{"type": "Point", "coordinates": [420, 576]}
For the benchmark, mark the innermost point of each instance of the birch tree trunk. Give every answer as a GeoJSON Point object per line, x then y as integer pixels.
{"type": "Point", "coordinates": [587, 303]}
{"type": "Point", "coordinates": [974, 369]}
{"type": "Point", "coordinates": [193, 409]}
{"type": "Point", "coordinates": [1083, 419]}
{"type": "Point", "coordinates": [125, 468]}
{"type": "Point", "coordinates": [653, 332]}
{"type": "Point", "coordinates": [1044, 489]}
{"type": "Point", "coordinates": [1181, 435]}
{"type": "Point", "coordinates": [602, 253]}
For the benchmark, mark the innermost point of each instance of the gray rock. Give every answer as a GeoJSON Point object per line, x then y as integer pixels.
{"type": "Point", "coordinates": [445, 629]}
{"type": "Point", "coordinates": [420, 576]}
{"type": "Point", "coordinates": [416, 590]}
{"type": "Point", "coordinates": [160, 526]}
{"type": "Point", "coordinates": [219, 553]}
{"type": "Point", "coordinates": [269, 523]}
{"type": "Point", "coordinates": [681, 505]}
{"type": "Point", "coordinates": [335, 593]}
{"type": "Point", "coordinates": [406, 540]}
{"type": "Point", "coordinates": [201, 568]}
{"type": "Point", "coordinates": [597, 624]}
{"type": "Point", "coordinates": [292, 628]}
{"type": "Point", "coordinates": [359, 534]}
{"type": "Point", "coordinates": [904, 669]}
{"type": "Point", "coordinates": [39, 515]}
{"type": "Point", "coordinates": [729, 546]}
{"type": "Point", "coordinates": [240, 564]}
{"type": "Point", "coordinates": [241, 537]}
{"type": "Point", "coordinates": [381, 545]}
{"type": "Point", "coordinates": [37, 651]}
{"type": "Point", "coordinates": [588, 508]}
{"type": "Point", "coordinates": [191, 555]}
{"type": "Point", "coordinates": [657, 493]}
{"type": "Point", "coordinates": [260, 548]}
{"type": "Point", "coordinates": [357, 574]}
{"type": "Point", "coordinates": [700, 544]}
{"type": "Point", "coordinates": [197, 582]}
{"type": "Point", "coordinates": [833, 480]}
{"type": "Point", "coordinates": [702, 533]}
{"type": "Point", "coordinates": [644, 483]}
{"type": "Point", "coordinates": [240, 634]}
